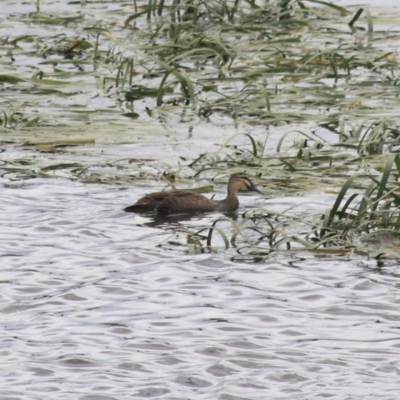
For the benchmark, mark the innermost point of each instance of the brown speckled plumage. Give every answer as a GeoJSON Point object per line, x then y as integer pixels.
{"type": "Point", "coordinates": [187, 201]}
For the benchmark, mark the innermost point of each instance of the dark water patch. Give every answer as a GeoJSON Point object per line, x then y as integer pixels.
{"type": "Point", "coordinates": [193, 382]}
{"type": "Point", "coordinates": [151, 392]}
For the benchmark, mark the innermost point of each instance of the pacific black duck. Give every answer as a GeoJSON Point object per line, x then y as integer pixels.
{"type": "Point", "coordinates": [175, 201]}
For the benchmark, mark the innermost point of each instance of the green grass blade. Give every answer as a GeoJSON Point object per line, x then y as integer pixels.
{"type": "Point", "coordinates": [385, 177]}
{"type": "Point", "coordinates": [339, 199]}
{"type": "Point", "coordinates": [355, 17]}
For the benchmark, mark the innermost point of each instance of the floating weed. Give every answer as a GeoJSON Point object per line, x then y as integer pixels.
{"type": "Point", "coordinates": [344, 228]}
{"type": "Point", "coordinates": [288, 60]}
{"type": "Point", "coordinates": [251, 78]}
{"type": "Point", "coordinates": [220, 231]}
{"type": "Point", "coordinates": [18, 120]}
{"type": "Point", "coordinates": [60, 143]}
{"type": "Point", "coordinates": [324, 73]}
{"type": "Point", "coordinates": [365, 204]}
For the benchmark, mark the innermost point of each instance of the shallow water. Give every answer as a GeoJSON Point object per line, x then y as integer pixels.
{"type": "Point", "coordinates": [98, 304]}
{"type": "Point", "coordinates": [92, 308]}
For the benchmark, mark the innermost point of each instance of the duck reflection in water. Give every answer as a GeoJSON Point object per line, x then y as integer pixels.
{"type": "Point", "coordinates": [189, 202]}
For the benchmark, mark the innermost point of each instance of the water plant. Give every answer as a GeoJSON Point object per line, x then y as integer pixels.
{"type": "Point", "coordinates": [308, 90]}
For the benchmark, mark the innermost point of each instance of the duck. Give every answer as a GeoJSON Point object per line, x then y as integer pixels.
{"type": "Point", "coordinates": [187, 201]}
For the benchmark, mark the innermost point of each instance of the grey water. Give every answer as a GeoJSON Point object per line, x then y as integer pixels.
{"type": "Point", "coordinates": [98, 304]}
{"type": "Point", "coordinates": [93, 306]}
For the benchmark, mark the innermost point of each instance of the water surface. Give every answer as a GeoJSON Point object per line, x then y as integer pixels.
{"type": "Point", "coordinates": [93, 308]}
{"type": "Point", "coordinates": [98, 304]}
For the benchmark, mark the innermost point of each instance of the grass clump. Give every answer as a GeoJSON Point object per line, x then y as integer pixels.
{"type": "Point", "coordinates": [310, 90]}
{"type": "Point", "coordinates": [364, 219]}
{"type": "Point", "coordinates": [270, 63]}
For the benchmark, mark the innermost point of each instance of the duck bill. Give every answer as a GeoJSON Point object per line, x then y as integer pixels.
{"type": "Point", "coordinates": [254, 188]}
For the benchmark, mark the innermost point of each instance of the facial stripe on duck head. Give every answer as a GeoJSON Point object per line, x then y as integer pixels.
{"type": "Point", "coordinates": [243, 182]}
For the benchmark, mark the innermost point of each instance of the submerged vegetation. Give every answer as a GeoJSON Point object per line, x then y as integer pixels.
{"type": "Point", "coordinates": [319, 84]}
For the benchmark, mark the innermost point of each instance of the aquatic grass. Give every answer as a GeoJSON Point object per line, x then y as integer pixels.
{"type": "Point", "coordinates": [13, 79]}
{"type": "Point", "coordinates": [366, 209]}
{"type": "Point", "coordinates": [246, 66]}
{"type": "Point", "coordinates": [220, 231]}
{"type": "Point", "coordinates": [186, 86]}
{"type": "Point", "coordinates": [248, 79]}
{"type": "Point", "coordinates": [16, 120]}
{"type": "Point", "coordinates": [238, 229]}
{"type": "Point", "coordinates": [309, 66]}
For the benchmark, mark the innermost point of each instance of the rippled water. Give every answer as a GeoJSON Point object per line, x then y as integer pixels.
{"type": "Point", "coordinates": [97, 304]}
{"type": "Point", "coordinates": [92, 308]}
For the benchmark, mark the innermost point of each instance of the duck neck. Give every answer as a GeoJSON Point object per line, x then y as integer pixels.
{"type": "Point", "coordinates": [231, 201]}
